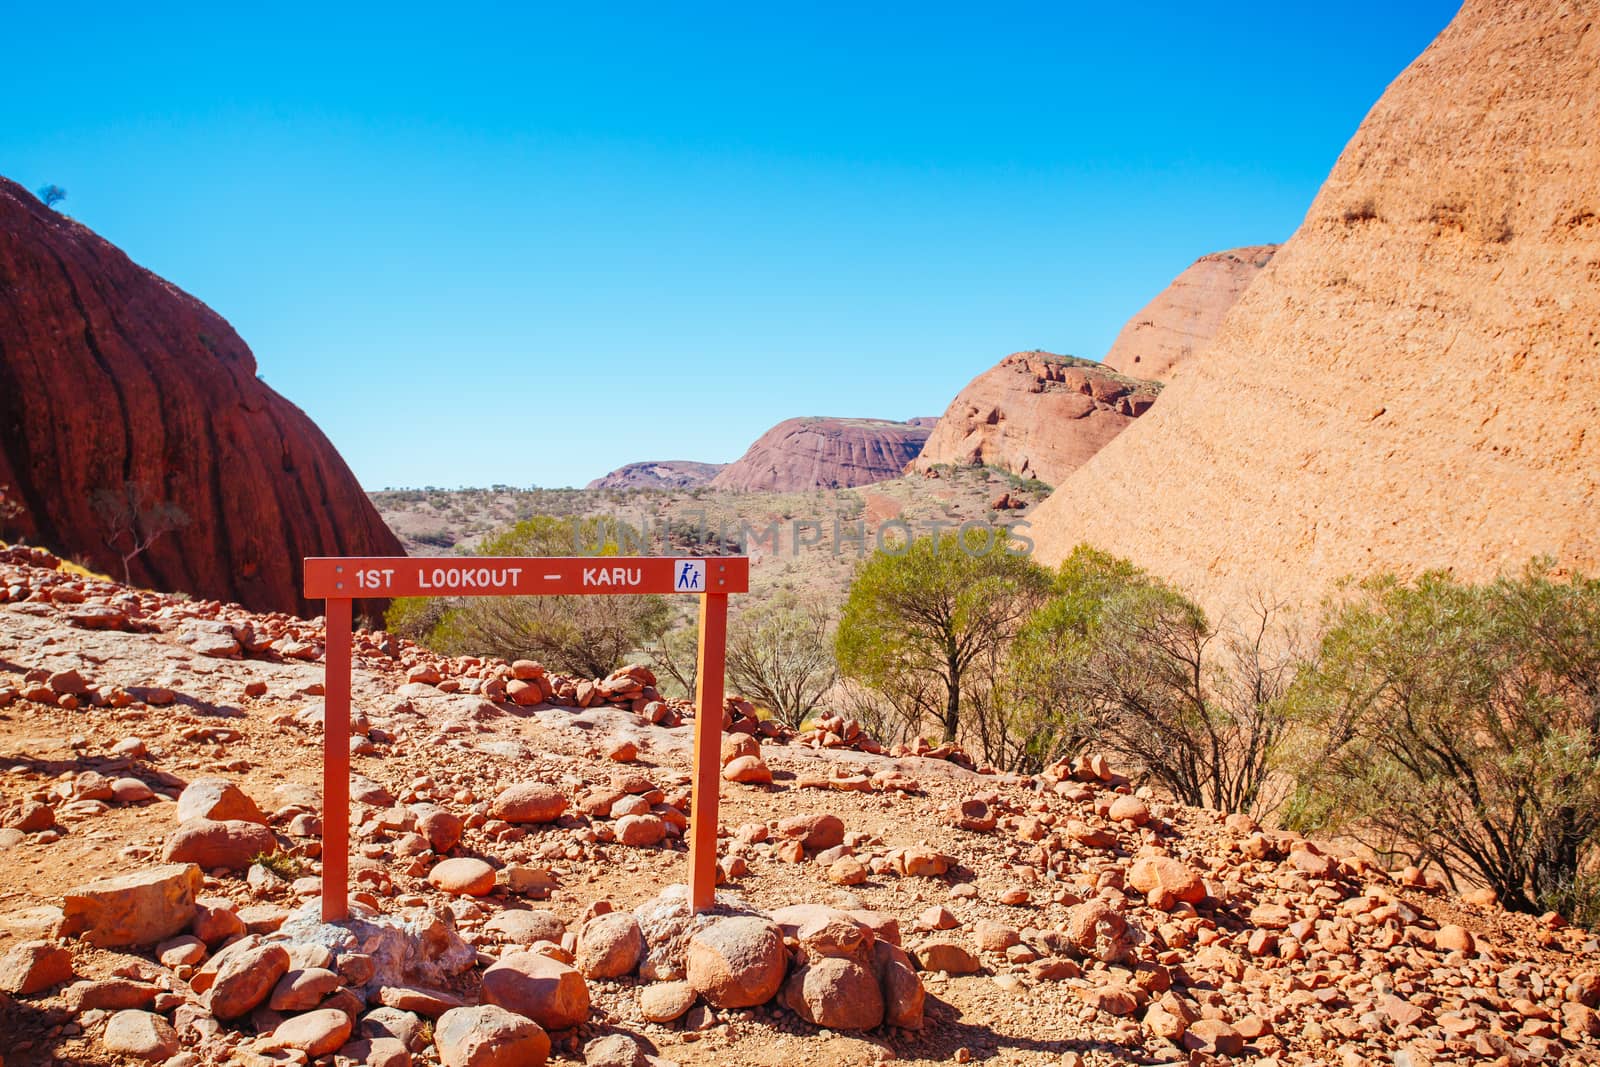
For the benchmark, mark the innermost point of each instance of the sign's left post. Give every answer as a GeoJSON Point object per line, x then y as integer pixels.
{"type": "Point", "coordinates": [336, 763]}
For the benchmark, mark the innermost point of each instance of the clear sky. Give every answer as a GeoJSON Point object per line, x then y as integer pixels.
{"type": "Point", "coordinates": [525, 244]}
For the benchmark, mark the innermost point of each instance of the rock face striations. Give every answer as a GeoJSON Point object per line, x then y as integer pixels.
{"type": "Point", "coordinates": [1414, 381]}
{"type": "Point", "coordinates": [1036, 414]}
{"type": "Point", "coordinates": [821, 453]}
{"type": "Point", "coordinates": [115, 384]}
{"type": "Point", "coordinates": [658, 474]}
{"type": "Point", "coordinates": [1181, 321]}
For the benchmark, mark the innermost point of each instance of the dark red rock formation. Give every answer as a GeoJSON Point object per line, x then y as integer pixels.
{"type": "Point", "coordinates": [110, 377]}
{"type": "Point", "coordinates": [819, 453]}
{"type": "Point", "coordinates": [658, 474]}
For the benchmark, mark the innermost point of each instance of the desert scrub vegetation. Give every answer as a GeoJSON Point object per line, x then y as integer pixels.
{"type": "Point", "coordinates": [584, 636]}
{"type": "Point", "coordinates": [1121, 659]}
{"type": "Point", "coordinates": [1460, 723]}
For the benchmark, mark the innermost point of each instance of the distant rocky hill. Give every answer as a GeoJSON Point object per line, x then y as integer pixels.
{"type": "Point", "coordinates": [1036, 414]}
{"type": "Point", "coordinates": [824, 453]}
{"type": "Point", "coordinates": [1414, 381]}
{"type": "Point", "coordinates": [1184, 317]}
{"type": "Point", "coordinates": [117, 384]}
{"type": "Point", "coordinates": [658, 474]}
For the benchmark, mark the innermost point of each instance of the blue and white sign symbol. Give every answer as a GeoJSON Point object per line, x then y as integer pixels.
{"type": "Point", "coordinates": [689, 576]}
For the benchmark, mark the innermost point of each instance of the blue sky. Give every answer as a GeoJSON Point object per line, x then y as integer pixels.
{"type": "Point", "coordinates": [526, 244]}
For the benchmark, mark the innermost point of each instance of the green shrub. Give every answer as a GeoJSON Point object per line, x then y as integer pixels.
{"type": "Point", "coordinates": [1464, 721]}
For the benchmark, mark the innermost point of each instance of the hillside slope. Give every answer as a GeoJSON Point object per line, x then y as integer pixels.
{"type": "Point", "coordinates": [1182, 319]}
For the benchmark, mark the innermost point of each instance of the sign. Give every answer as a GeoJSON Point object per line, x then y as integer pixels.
{"type": "Point", "coordinates": [342, 580]}
{"type": "Point", "coordinates": [385, 577]}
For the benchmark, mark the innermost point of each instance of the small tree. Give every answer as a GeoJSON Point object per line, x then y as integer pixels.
{"type": "Point", "coordinates": [781, 656]}
{"type": "Point", "coordinates": [1122, 658]}
{"type": "Point", "coordinates": [134, 517]}
{"type": "Point", "coordinates": [52, 195]}
{"type": "Point", "coordinates": [936, 612]}
{"type": "Point", "coordinates": [1463, 722]}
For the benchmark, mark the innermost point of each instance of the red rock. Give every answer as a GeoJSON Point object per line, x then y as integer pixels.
{"type": "Point", "coordinates": [951, 957]}
{"type": "Point", "coordinates": [1333, 308]}
{"type": "Point", "coordinates": [489, 1036]}
{"type": "Point", "coordinates": [34, 966]}
{"type": "Point", "coordinates": [1176, 326]}
{"type": "Point", "coordinates": [748, 770]}
{"type": "Point", "coordinates": [815, 831]}
{"type": "Point", "coordinates": [1099, 931]}
{"type": "Point", "coordinates": [1034, 414]}
{"type": "Point", "coordinates": [641, 831]}
{"type": "Point", "coordinates": [140, 1035]}
{"type": "Point", "coordinates": [823, 453]}
{"type": "Point", "coordinates": [209, 844]}
{"type": "Point", "coordinates": [1167, 875]}
{"type": "Point", "coordinates": [545, 990]}
{"type": "Point", "coordinates": [1129, 809]}
{"type": "Point", "coordinates": [463, 876]}
{"type": "Point", "coordinates": [609, 946]}
{"type": "Point", "coordinates": [302, 989]}
{"type": "Point", "coordinates": [245, 980]}
{"type": "Point", "coordinates": [658, 474]}
{"type": "Point", "coordinates": [1454, 938]}
{"type": "Point", "coordinates": [736, 962]}
{"type": "Point", "coordinates": [1213, 1037]}
{"type": "Point", "coordinates": [104, 350]}
{"type": "Point", "coordinates": [836, 993]}
{"type": "Point", "coordinates": [316, 1033]}
{"type": "Point", "coordinates": [217, 799]}
{"type": "Point", "coordinates": [529, 802]}
{"type": "Point", "coordinates": [133, 909]}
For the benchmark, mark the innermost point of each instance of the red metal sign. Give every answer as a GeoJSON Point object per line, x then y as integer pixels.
{"type": "Point", "coordinates": [385, 577]}
{"type": "Point", "coordinates": [341, 580]}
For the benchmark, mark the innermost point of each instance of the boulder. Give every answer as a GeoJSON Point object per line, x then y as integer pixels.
{"type": "Point", "coordinates": [463, 876]}
{"type": "Point", "coordinates": [140, 1035]}
{"type": "Point", "coordinates": [609, 946]}
{"type": "Point", "coordinates": [133, 909]}
{"type": "Point", "coordinates": [489, 1036]}
{"type": "Point", "coordinates": [1099, 931]}
{"type": "Point", "coordinates": [641, 831]}
{"type": "Point", "coordinates": [316, 1033]}
{"type": "Point", "coordinates": [545, 990]}
{"type": "Point", "coordinates": [737, 961]}
{"type": "Point", "coordinates": [903, 992]}
{"type": "Point", "coordinates": [529, 802]}
{"type": "Point", "coordinates": [814, 831]}
{"type": "Point", "coordinates": [216, 799]}
{"type": "Point", "coordinates": [34, 966]}
{"type": "Point", "coordinates": [210, 844]}
{"type": "Point", "coordinates": [663, 1002]}
{"type": "Point", "coordinates": [951, 957]}
{"type": "Point", "coordinates": [836, 993]}
{"type": "Point", "coordinates": [526, 927]}
{"type": "Point", "coordinates": [1167, 876]}
{"type": "Point", "coordinates": [614, 1050]}
{"type": "Point", "coordinates": [246, 979]}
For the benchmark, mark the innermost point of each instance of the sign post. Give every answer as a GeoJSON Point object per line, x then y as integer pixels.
{"type": "Point", "coordinates": [340, 581]}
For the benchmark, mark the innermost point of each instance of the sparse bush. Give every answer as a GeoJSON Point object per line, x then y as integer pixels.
{"type": "Point", "coordinates": [1125, 660]}
{"type": "Point", "coordinates": [52, 195]}
{"type": "Point", "coordinates": [780, 655]}
{"type": "Point", "coordinates": [1463, 721]}
{"type": "Point", "coordinates": [587, 636]}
